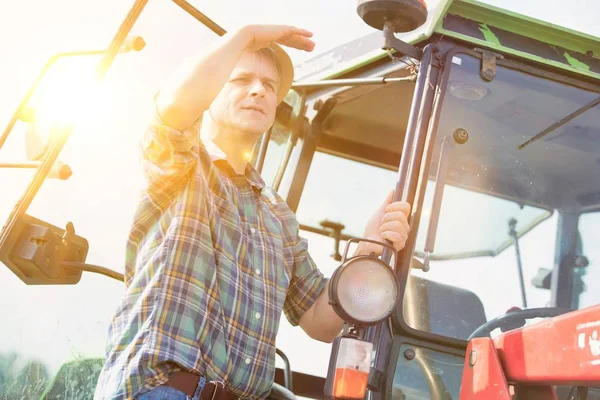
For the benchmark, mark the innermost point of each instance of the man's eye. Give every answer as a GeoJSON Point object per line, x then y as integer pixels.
{"type": "Point", "coordinates": [270, 87]}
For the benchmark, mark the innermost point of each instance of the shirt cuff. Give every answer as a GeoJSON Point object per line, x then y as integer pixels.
{"type": "Point", "coordinates": [302, 294]}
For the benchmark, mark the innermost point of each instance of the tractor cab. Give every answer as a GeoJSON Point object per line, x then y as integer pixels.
{"type": "Point", "coordinates": [497, 145]}
{"type": "Point", "coordinates": [485, 121]}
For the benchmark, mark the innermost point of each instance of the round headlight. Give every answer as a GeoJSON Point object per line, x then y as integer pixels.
{"type": "Point", "coordinates": [363, 290]}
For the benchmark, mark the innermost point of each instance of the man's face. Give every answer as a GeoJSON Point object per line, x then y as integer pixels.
{"type": "Point", "coordinates": [248, 100]}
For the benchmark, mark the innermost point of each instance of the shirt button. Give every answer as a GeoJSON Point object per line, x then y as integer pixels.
{"type": "Point", "coordinates": [257, 271]}
{"type": "Point", "coordinates": [253, 230]}
{"type": "Point", "coordinates": [257, 315]}
{"type": "Point", "coordinates": [248, 361]}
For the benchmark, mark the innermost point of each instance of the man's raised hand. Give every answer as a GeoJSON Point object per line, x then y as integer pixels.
{"type": "Point", "coordinates": [261, 36]}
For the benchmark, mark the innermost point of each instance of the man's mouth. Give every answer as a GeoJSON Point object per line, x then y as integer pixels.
{"type": "Point", "coordinates": [255, 108]}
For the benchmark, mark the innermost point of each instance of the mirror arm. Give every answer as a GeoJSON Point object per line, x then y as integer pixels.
{"type": "Point", "coordinates": [93, 268]}
{"type": "Point", "coordinates": [58, 171]}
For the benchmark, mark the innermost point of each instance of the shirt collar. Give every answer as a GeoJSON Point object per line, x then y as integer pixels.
{"type": "Point", "coordinates": [218, 156]}
{"type": "Point", "coordinates": [213, 150]}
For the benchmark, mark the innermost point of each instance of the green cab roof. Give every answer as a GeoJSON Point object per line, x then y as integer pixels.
{"type": "Point", "coordinates": [479, 24]}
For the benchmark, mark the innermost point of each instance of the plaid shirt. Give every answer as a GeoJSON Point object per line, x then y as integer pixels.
{"type": "Point", "coordinates": [212, 259]}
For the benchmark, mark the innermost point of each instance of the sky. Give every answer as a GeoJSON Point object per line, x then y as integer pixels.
{"type": "Point", "coordinates": [100, 196]}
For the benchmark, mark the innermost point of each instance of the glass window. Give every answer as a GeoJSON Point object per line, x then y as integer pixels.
{"type": "Point", "coordinates": [429, 375]}
{"type": "Point", "coordinates": [343, 191]}
{"type": "Point", "coordinates": [279, 144]}
{"type": "Point", "coordinates": [587, 279]}
{"type": "Point", "coordinates": [282, 146]}
{"type": "Point", "coordinates": [486, 190]}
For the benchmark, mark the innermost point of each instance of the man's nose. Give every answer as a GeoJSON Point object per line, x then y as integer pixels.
{"type": "Point", "coordinates": [257, 88]}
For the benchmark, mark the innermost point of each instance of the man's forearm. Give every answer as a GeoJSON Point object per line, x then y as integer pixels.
{"type": "Point", "coordinates": [194, 86]}
{"type": "Point", "coordinates": [325, 324]}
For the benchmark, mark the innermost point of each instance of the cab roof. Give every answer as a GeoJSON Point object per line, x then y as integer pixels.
{"type": "Point", "coordinates": [478, 24]}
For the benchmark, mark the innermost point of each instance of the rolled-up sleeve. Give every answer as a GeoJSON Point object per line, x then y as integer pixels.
{"type": "Point", "coordinates": [168, 157]}
{"type": "Point", "coordinates": [306, 284]}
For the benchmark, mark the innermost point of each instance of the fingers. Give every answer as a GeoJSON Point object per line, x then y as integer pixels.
{"type": "Point", "coordinates": [395, 216]}
{"type": "Point", "coordinates": [394, 224]}
{"type": "Point", "coordinates": [398, 206]}
{"type": "Point", "coordinates": [290, 36]}
{"type": "Point", "coordinates": [397, 239]}
{"type": "Point", "coordinates": [400, 226]}
{"type": "Point", "coordinates": [298, 42]}
{"type": "Point", "coordinates": [297, 38]}
{"type": "Point", "coordinates": [300, 32]}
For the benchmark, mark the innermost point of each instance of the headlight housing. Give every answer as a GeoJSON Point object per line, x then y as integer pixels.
{"type": "Point", "coordinates": [363, 290]}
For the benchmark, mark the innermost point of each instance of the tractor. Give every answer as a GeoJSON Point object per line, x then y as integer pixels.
{"type": "Point", "coordinates": [484, 120]}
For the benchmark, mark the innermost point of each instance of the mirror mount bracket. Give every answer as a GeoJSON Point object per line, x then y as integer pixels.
{"type": "Point", "coordinates": [391, 42]}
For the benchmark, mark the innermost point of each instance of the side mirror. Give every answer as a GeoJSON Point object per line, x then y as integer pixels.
{"type": "Point", "coordinates": [395, 16]}
{"type": "Point", "coordinates": [35, 251]}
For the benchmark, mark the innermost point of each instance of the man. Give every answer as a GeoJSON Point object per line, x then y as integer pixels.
{"type": "Point", "coordinates": [214, 256]}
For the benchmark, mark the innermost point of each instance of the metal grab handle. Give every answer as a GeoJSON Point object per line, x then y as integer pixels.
{"type": "Point", "coordinates": [287, 371]}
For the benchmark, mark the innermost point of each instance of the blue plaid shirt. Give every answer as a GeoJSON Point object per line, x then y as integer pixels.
{"type": "Point", "coordinates": [212, 260]}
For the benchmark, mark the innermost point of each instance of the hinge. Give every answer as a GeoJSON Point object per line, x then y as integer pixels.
{"type": "Point", "coordinates": [488, 64]}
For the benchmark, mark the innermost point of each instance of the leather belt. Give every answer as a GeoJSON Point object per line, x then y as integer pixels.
{"type": "Point", "coordinates": [187, 382]}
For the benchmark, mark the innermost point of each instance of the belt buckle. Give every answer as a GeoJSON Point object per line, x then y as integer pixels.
{"type": "Point", "coordinates": [216, 383]}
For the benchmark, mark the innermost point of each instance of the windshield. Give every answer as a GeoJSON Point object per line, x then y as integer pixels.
{"type": "Point", "coordinates": [488, 193]}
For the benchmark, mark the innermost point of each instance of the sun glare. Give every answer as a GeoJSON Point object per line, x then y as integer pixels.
{"type": "Point", "coordinates": [68, 97]}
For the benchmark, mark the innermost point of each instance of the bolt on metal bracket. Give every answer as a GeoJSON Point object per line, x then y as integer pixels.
{"type": "Point", "coordinates": [488, 64]}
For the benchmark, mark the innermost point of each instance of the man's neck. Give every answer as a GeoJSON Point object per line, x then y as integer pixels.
{"type": "Point", "coordinates": [237, 146]}
{"type": "Point", "coordinates": [237, 151]}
